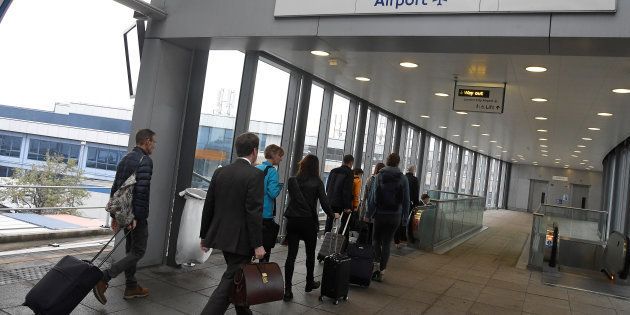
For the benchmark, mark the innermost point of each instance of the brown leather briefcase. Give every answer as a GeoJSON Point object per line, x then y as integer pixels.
{"type": "Point", "coordinates": [258, 283]}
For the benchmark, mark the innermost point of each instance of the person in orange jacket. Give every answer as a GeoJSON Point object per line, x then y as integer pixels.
{"type": "Point", "coordinates": [356, 189]}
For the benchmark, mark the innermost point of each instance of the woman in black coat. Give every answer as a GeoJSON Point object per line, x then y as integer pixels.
{"type": "Point", "coordinates": [305, 189]}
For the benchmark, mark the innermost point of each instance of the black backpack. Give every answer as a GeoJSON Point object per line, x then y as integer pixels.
{"type": "Point", "coordinates": [389, 193]}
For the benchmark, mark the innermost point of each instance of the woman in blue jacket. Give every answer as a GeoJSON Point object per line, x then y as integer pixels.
{"type": "Point", "coordinates": [273, 187]}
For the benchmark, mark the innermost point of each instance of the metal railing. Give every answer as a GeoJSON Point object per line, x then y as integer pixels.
{"type": "Point", "coordinates": [40, 209]}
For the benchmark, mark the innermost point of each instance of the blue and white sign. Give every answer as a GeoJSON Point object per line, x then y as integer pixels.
{"type": "Point", "coordinates": [375, 7]}
{"type": "Point", "coordinates": [4, 7]}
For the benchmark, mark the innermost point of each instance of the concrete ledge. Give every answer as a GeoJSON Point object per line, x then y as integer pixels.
{"type": "Point", "coordinates": [26, 237]}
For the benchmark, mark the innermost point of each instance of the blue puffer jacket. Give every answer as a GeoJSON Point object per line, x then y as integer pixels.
{"type": "Point", "coordinates": [142, 190]}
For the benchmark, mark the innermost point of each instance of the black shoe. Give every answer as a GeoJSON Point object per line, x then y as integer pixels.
{"type": "Point", "coordinates": [312, 286]}
{"type": "Point", "coordinates": [288, 296]}
{"type": "Point", "coordinates": [376, 276]}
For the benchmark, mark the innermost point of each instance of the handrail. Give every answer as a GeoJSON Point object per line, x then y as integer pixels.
{"type": "Point", "coordinates": [52, 187]}
{"type": "Point", "coordinates": [573, 208]}
{"type": "Point", "coordinates": [52, 208]}
{"type": "Point", "coordinates": [205, 179]}
{"type": "Point", "coordinates": [455, 193]}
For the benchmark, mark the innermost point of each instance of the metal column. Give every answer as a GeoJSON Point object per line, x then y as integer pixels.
{"type": "Point", "coordinates": [300, 126]}
{"type": "Point", "coordinates": [360, 135]}
{"type": "Point", "coordinates": [397, 137]}
{"type": "Point", "coordinates": [459, 167]}
{"type": "Point", "coordinates": [474, 174]}
{"type": "Point", "coordinates": [422, 144]}
{"type": "Point", "coordinates": [485, 192]}
{"type": "Point", "coordinates": [389, 135]}
{"type": "Point", "coordinates": [246, 96]}
{"type": "Point", "coordinates": [324, 127]}
{"type": "Point", "coordinates": [351, 127]}
{"type": "Point", "coordinates": [369, 148]}
{"type": "Point", "coordinates": [442, 155]}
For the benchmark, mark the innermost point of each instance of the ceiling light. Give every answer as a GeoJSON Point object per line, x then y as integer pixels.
{"type": "Point", "coordinates": [542, 139]}
{"type": "Point", "coordinates": [408, 64]}
{"type": "Point", "coordinates": [537, 69]}
{"type": "Point", "coordinates": [621, 91]}
{"type": "Point", "coordinates": [541, 118]}
{"type": "Point", "coordinates": [582, 163]}
{"type": "Point", "coordinates": [566, 166]}
{"type": "Point", "coordinates": [466, 141]}
{"type": "Point", "coordinates": [455, 135]}
{"type": "Point", "coordinates": [425, 116]}
{"type": "Point", "coordinates": [557, 162]}
{"type": "Point", "coordinates": [400, 102]}
{"type": "Point", "coordinates": [443, 127]}
{"type": "Point", "coordinates": [584, 160]}
{"type": "Point", "coordinates": [534, 162]}
{"type": "Point", "coordinates": [604, 114]}
{"type": "Point", "coordinates": [539, 100]}
{"type": "Point", "coordinates": [462, 113]}
{"type": "Point", "coordinates": [581, 146]}
{"type": "Point", "coordinates": [543, 146]}
{"type": "Point", "coordinates": [320, 53]}
{"type": "Point", "coordinates": [363, 79]}
{"type": "Point", "coordinates": [475, 125]}
{"type": "Point", "coordinates": [499, 147]}
{"type": "Point", "coordinates": [545, 155]}
{"type": "Point", "coordinates": [573, 155]}
{"type": "Point", "coordinates": [485, 134]}
{"type": "Point", "coordinates": [474, 146]}
{"type": "Point", "coordinates": [542, 130]}
{"type": "Point", "coordinates": [587, 139]}
{"type": "Point", "coordinates": [544, 151]}
{"type": "Point", "coordinates": [493, 141]}
{"type": "Point", "coordinates": [480, 150]}
{"type": "Point", "coordinates": [504, 151]}
{"type": "Point", "coordinates": [594, 129]}
{"type": "Point", "coordinates": [558, 159]}
{"type": "Point", "coordinates": [441, 94]}
{"type": "Point", "coordinates": [577, 151]}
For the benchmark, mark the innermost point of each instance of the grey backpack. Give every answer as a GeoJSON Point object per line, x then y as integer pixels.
{"type": "Point", "coordinates": [120, 204]}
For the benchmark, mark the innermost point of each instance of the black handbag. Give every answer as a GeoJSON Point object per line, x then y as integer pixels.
{"type": "Point", "coordinates": [270, 233]}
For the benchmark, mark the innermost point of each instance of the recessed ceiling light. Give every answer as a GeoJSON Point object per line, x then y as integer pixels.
{"type": "Point", "coordinates": [466, 141]}
{"type": "Point", "coordinates": [621, 91]}
{"type": "Point", "coordinates": [584, 160]}
{"type": "Point", "coordinates": [455, 135]}
{"type": "Point", "coordinates": [480, 150]}
{"type": "Point", "coordinates": [320, 53]}
{"type": "Point", "coordinates": [363, 79]}
{"type": "Point", "coordinates": [573, 155]}
{"type": "Point", "coordinates": [475, 125]}
{"type": "Point", "coordinates": [497, 155]}
{"type": "Point", "coordinates": [587, 139]}
{"type": "Point", "coordinates": [594, 129]}
{"type": "Point", "coordinates": [542, 139]}
{"type": "Point", "coordinates": [604, 114]}
{"type": "Point", "coordinates": [474, 146]}
{"type": "Point", "coordinates": [407, 64]}
{"type": "Point", "coordinates": [542, 130]}
{"type": "Point", "coordinates": [544, 151]}
{"type": "Point", "coordinates": [582, 163]}
{"type": "Point", "coordinates": [537, 69]}
{"type": "Point", "coordinates": [504, 151]}
{"type": "Point", "coordinates": [499, 147]}
{"type": "Point", "coordinates": [485, 134]}
{"type": "Point", "coordinates": [534, 162]}
{"type": "Point", "coordinates": [541, 118]}
{"type": "Point", "coordinates": [576, 151]}
{"type": "Point", "coordinates": [566, 166]}
{"type": "Point", "coordinates": [425, 116]}
{"type": "Point", "coordinates": [441, 94]}
{"type": "Point", "coordinates": [545, 155]}
{"type": "Point", "coordinates": [581, 146]}
{"type": "Point", "coordinates": [400, 102]}
{"type": "Point", "coordinates": [462, 113]}
{"type": "Point", "coordinates": [443, 127]}
{"type": "Point", "coordinates": [543, 146]}
{"type": "Point", "coordinates": [539, 100]}
{"type": "Point", "coordinates": [557, 162]}
{"type": "Point", "coordinates": [493, 141]}
{"type": "Point", "coordinates": [558, 159]}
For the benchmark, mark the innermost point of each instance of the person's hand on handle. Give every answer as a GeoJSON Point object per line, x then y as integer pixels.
{"type": "Point", "coordinates": [115, 226]}
{"type": "Point", "coordinates": [132, 225]}
{"type": "Point", "coordinates": [347, 210]}
{"type": "Point", "coordinates": [337, 216]}
{"type": "Point", "coordinates": [259, 252]}
{"type": "Point", "coordinates": [203, 247]}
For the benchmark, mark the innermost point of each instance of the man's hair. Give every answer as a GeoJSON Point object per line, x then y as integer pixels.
{"type": "Point", "coordinates": [393, 160]}
{"type": "Point", "coordinates": [347, 159]}
{"type": "Point", "coordinates": [357, 171]}
{"type": "Point", "coordinates": [411, 169]}
{"type": "Point", "coordinates": [425, 196]}
{"type": "Point", "coordinates": [246, 143]}
{"type": "Point", "coordinates": [272, 150]}
{"type": "Point", "coordinates": [144, 135]}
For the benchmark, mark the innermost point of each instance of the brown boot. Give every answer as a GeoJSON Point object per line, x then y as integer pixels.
{"type": "Point", "coordinates": [137, 292]}
{"type": "Point", "coordinates": [99, 291]}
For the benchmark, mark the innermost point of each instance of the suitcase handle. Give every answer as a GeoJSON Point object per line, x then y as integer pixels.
{"type": "Point", "coordinates": [112, 251]}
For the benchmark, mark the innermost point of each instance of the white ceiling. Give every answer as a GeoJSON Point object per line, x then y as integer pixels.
{"type": "Point", "coordinates": [577, 89]}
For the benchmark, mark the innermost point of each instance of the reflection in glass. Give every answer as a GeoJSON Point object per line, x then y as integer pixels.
{"type": "Point", "coordinates": [337, 133]}
{"type": "Point", "coordinates": [314, 115]}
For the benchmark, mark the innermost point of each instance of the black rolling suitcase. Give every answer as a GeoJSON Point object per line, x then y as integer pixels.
{"type": "Point", "coordinates": [362, 261]}
{"type": "Point", "coordinates": [336, 277]}
{"type": "Point", "coordinates": [66, 284]}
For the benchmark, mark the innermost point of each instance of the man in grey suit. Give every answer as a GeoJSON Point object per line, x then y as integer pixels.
{"type": "Point", "coordinates": [232, 218]}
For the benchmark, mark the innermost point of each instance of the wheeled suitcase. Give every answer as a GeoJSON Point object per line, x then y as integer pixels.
{"type": "Point", "coordinates": [333, 242]}
{"type": "Point", "coordinates": [362, 261]}
{"type": "Point", "coordinates": [336, 278]}
{"type": "Point", "coordinates": [66, 284]}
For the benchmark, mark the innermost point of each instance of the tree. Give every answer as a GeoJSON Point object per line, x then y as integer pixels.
{"type": "Point", "coordinates": [55, 172]}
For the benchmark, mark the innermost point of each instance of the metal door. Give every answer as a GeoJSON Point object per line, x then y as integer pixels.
{"type": "Point", "coordinates": [579, 196]}
{"type": "Point", "coordinates": [538, 191]}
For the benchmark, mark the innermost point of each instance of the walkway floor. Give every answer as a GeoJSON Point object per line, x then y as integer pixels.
{"type": "Point", "coordinates": [478, 277]}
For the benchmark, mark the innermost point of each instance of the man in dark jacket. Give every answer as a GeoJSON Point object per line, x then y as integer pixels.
{"type": "Point", "coordinates": [137, 161]}
{"type": "Point", "coordinates": [339, 189]}
{"type": "Point", "coordinates": [232, 218]}
{"type": "Point", "coordinates": [414, 186]}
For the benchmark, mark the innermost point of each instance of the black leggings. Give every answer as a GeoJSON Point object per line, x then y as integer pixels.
{"type": "Point", "coordinates": [385, 226]}
{"type": "Point", "coordinates": [300, 229]}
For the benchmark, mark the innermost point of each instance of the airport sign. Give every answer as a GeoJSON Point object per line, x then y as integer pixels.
{"type": "Point", "coordinates": [481, 98]}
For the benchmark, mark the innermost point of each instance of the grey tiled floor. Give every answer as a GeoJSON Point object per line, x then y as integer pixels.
{"type": "Point", "coordinates": [478, 277]}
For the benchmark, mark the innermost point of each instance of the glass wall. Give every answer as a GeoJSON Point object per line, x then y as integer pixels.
{"type": "Point", "coordinates": [104, 158]}
{"type": "Point", "coordinates": [365, 140]}
{"type": "Point", "coordinates": [480, 176]}
{"type": "Point", "coordinates": [502, 185]}
{"type": "Point", "coordinates": [379, 144]}
{"type": "Point", "coordinates": [38, 149]}
{"type": "Point", "coordinates": [467, 168]}
{"type": "Point", "coordinates": [218, 113]}
{"type": "Point", "coordinates": [314, 115]}
{"type": "Point", "coordinates": [450, 168]}
{"type": "Point", "coordinates": [337, 133]}
{"type": "Point", "coordinates": [268, 105]}
{"type": "Point", "coordinates": [432, 163]}
{"type": "Point", "coordinates": [10, 146]}
{"type": "Point", "coordinates": [411, 149]}
{"type": "Point", "coordinates": [493, 184]}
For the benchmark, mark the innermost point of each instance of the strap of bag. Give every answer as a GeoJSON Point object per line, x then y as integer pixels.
{"type": "Point", "coordinates": [112, 251]}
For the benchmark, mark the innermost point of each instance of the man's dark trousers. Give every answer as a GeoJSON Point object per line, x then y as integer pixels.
{"type": "Point", "coordinates": [220, 299]}
{"type": "Point", "coordinates": [135, 247]}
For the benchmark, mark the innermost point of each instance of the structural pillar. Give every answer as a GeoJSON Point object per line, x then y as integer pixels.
{"type": "Point", "coordinates": [360, 135]}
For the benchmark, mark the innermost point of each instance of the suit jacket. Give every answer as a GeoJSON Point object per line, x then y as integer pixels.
{"type": "Point", "coordinates": [232, 214]}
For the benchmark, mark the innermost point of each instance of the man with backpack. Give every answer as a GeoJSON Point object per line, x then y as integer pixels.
{"type": "Point", "coordinates": [273, 187]}
{"type": "Point", "coordinates": [339, 189]}
{"type": "Point", "coordinates": [137, 162]}
{"type": "Point", "coordinates": [388, 206]}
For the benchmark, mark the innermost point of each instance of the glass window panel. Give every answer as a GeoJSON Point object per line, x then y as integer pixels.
{"type": "Point", "coordinates": [502, 185]}
{"type": "Point", "coordinates": [379, 144]}
{"type": "Point", "coordinates": [465, 181]}
{"type": "Point", "coordinates": [480, 176]}
{"type": "Point", "coordinates": [450, 168]}
{"type": "Point", "coordinates": [218, 113]}
{"type": "Point", "coordinates": [433, 157]}
{"type": "Point", "coordinates": [314, 115]}
{"type": "Point", "coordinates": [493, 181]}
{"type": "Point", "coordinates": [365, 139]}
{"type": "Point", "coordinates": [38, 149]}
{"type": "Point", "coordinates": [337, 133]}
{"type": "Point", "coordinates": [10, 146]}
{"type": "Point", "coordinates": [410, 148]}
